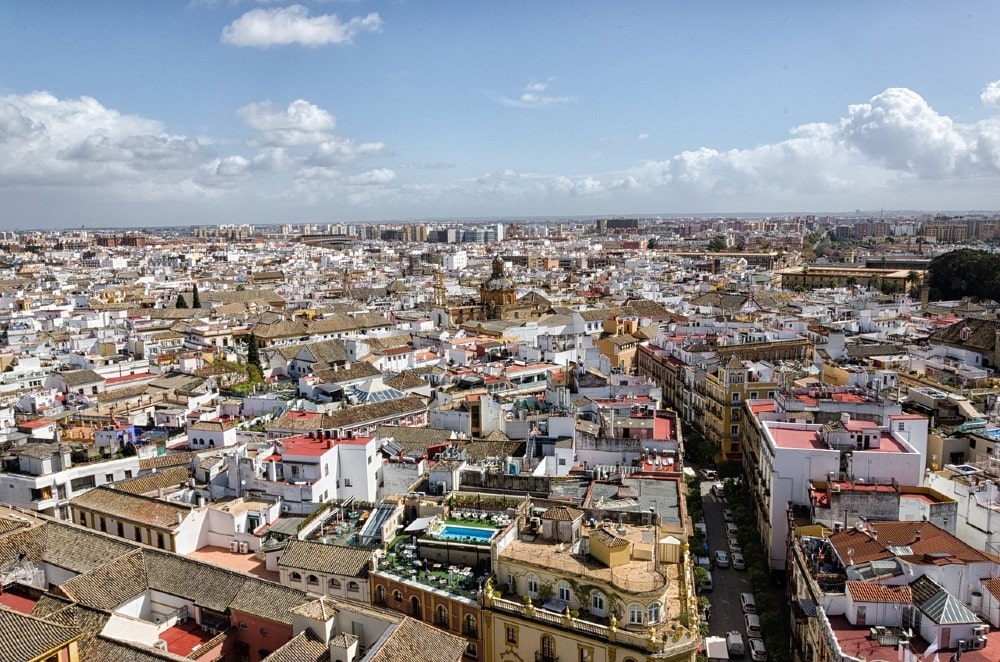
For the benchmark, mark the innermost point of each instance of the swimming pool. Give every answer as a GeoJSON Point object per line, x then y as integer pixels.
{"type": "Point", "coordinates": [454, 532]}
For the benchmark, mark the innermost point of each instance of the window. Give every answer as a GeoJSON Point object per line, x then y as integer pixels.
{"type": "Point", "coordinates": [295, 470]}
{"type": "Point", "coordinates": [264, 632]}
{"type": "Point", "coordinates": [138, 534]}
{"type": "Point", "coordinates": [548, 648]}
{"type": "Point", "coordinates": [104, 525]}
{"type": "Point", "coordinates": [653, 615]}
{"type": "Point", "coordinates": [353, 587]}
{"type": "Point", "coordinates": [296, 577]}
{"type": "Point", "coordinates": [128, 473]}
{"type": "Point", "coordinates": [734, 429]}
{"type": "Point", "coordinates": [533, 585]}
{"type": "Point", "coordinates": [347, 482]}
{"type": "Point", "coordinates": [109, 478]}
{"type": "Point", "coordinates": [335, 584]}
{"type": "Point", "coordinates": [511, 635]}
{"type": "Point", "coordinates": [586, 654]}
{"type": "Point", "coordinates": [471, 626]}
{"type": "Point", "coordinates": [121, 530]}
{"type": "Point", "coordinates": [415, 610]}
{"type": "Point", "coordinates": [736, 398]}
{"type": "Point", "coordinates": [901, 426]}
{"type": "Point", "coordinates": [243, 626]}
{"type": "Point", "coordinates": [442, 616]}
{"type": "Point", "coordinates": [397, 596]}
{"type": "Point", "coordinates": [312, 580]}
{"type": "Point", "coordinates": [597, 603]}
{"type": "Point", "coordinates": [635, 614]}
{"type": "Point", "coordinates": [379, 595]}
{"type": "Point", "coordinates": [565, 592]}
{"type": "Point", "coordinates": [83, 518]}
{"type": "Point", "coordinates": [470, 650]}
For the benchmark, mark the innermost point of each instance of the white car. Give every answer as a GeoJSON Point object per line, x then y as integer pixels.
{"type": "Point", "coordinates": [718, 489]}
{"type": "Point", "coordinates": [739, 563]}
{"type": "Point", "coordinates": [727, 515]}
{"type": "Point", "coordinates": [757, 651]}
{"type": "Point", "coordinates": [709, 474]}
{"type": "Point", "coordinates": [721, 559]}
{"type": "Point", "coordinates": [734, 546]}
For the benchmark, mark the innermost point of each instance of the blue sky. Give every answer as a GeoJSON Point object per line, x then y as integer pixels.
{"type": "Point", "coordinates": [125, 113]}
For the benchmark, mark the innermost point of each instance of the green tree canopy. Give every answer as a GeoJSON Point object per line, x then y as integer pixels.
{"type": "Point", "coordinates": [181, 302]}
{"type": "Point", "coordinates": [964, 273]}
{"type": "Point", "coordinates": [195, 299]}
{"type": "Point", "coordinates": [717, 244]}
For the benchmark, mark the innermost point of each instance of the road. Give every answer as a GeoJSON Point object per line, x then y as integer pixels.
{"type": "Point", "coordinates": [726, 614]}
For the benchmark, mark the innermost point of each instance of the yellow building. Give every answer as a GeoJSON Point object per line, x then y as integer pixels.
{"type": "Point", "coordinates": [601, 592]}
{"type": "Point", "coordinates": [725, 392]}
{"type": "Point", "coordinates": [812, 277]}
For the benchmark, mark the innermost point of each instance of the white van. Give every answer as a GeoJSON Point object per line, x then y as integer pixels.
{"type": "Point", "coordinates": [706, 584]}
{"type": "Point", "coordinates": [753, 625]}
{"type": "Point", "coordinates": [734, 643]}
{"type": "Point", "coordinates": [748, 603]}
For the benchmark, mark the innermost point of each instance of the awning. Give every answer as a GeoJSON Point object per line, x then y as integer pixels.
{"type": "Point", "coordinates": [419, 524]}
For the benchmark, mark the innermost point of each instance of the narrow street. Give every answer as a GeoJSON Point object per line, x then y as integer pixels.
{"type": "Point", "coordinates": [726, 614]}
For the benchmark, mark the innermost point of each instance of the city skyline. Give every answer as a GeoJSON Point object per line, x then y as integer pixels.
{"type": "Point", "coordinates": [242, 112]}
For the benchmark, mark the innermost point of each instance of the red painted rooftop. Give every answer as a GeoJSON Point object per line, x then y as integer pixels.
{"type": "Point", "coordinates": [801, 439]}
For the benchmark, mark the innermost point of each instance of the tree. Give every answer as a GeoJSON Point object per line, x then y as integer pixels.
{"type": "Point", "coordinates": [253, 353]}
{"type": "Point", "coordinates": [195, 299]}
{"type": "Point", "coordinates": [181, 302]}
{"type": "Point", "coordinates": [717, 244]}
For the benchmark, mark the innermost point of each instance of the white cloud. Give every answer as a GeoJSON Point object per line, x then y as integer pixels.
{"type": "Point", "coordinates": [900, 129]}
{"type": "Point", "coordinates": [338, 151]}
{"type": "Point", "coordinates": [301, 123]}
{"type": "Point", "coordinates": [534, 95]}
{"type": "Point", "coordinates": [283, 26]}
{"type": "Point", "coordinates": [642, 136]}
{"type": "Point", "coordinates": [376, 176]}
{"type": "Point", "coordinates": [991, 94]}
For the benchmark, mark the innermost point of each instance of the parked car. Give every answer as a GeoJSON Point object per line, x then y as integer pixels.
{"type": "Point", "coordinates": [703, 562]}
{"type": "Point", "coordinates": [748, 604]}
{"type": "Point", "coordinates": [709, 474]}
{"type": "Point", "coordinates": [727, 515]}
{"type": "Point", "coordinates": [734, 643]}
{"type": "Point", "coordinates": [752, 621]}
{"type": "Point", "coordinates": [757, 651]}
{"type": "Point", "coordinates": [732, 530]}
{"type": "Point", "coordinates": [718, 489]}
{"type": "Point", "coordinates": [721, 559]}
{"type": "Point", "coordinates": [739, 563]}
{"type": "Point", "coordinates": [706, 583]}
{"type": "Point", "coordinates": [734, 546]}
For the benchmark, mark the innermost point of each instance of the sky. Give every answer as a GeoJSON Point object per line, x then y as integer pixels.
{"type": "Point", "coordinates": [131, 114]}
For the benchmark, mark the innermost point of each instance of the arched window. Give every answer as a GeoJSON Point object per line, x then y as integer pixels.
{"type": "Point", "coordinates": [397, 596]}
{"type": "Point", "coordinates": [597, 603]}
{"type": "Point", "coordinates": [471, 626]}
{"type": "Point", "coordinates": [312, 580]}
{"type": "Point", "coordinates": [548, 647]}
{"type": "Point", "coordinates": [635, 614]}
{"type": "Point", "coordinates": [565, 592]}
{"type": "Point", "coordinates": [653, 613]}
{"type": "Point", "coordinates": [379, 595]}
{"type": "Point", "coordinates": [353, 587]}
{"type": "Point", "coordinates": [296, 577]}
{"type": "Point", "coordinates": [415, 610]}
{"type": "Point", "coordinates": [442, 616]}
{"type": "Point", "coordinates": [335, 585]}
{"type": "Point", "coordinates": [533, 585]}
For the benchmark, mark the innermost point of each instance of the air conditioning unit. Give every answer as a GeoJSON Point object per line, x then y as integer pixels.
{"type": "Point", "coordinates": [244, 548]}
{"type": "Point", "coordinates": [838, 527]}
{"type": "Point", "coordinates": [160, 644]}
{"type": "Point", "coordinates": [980, 630]}
{"type": "Point", "coordinates": [978, 643]}
{"type": "Point", "coordinates": [234, 546]}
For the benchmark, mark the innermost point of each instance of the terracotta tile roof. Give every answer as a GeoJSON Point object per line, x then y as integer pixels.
{"type": "Point", "coordinates": [374, 412]}
{"type": "Point", "coordinates": [862, 547]}
{"type": "Point", "coordinates": [406, 380]}
{"type": "Point", "coordinates": [318, 557]}
{"type": "Point", "coordinates": [74, 378]}
{"type": "Point", "coordinates": [167, 460]}
{"type": "Point", "coordinates": [171, 477]}
{"type": "Point", "coordinates": [607, 538]}
{"type": "Point", "coordinates": [131, 507]}
{"type": "Point", "coordinates": [929, 543]}
{"type": "Point", "coordinates": [107, 587]}
{"type": "Point", "coordinates": [869, 592]}
{"type": "Point", "coordinates": [35, 637]}
{"type": "Point", "coordinates": [356, 372]}
{"type": "Point", "coordinates": [993, 586]}
{"type": "Point", "coordinates": [268, 600]}
{"type": "Point", "coordinates": [303, 647]}
{"type": "Point", "coordinates": [88, 622]}
{"type": "Point", "coordinates": [413, 640]}
{"type": "Point", "coordinates": [322, 609]}
{"type": "Point", "coordinates": [562, 514]}
{"type": "Point", "coordinates": [204, 584]}
{"type": "Point", "coordinates": [77, 549]}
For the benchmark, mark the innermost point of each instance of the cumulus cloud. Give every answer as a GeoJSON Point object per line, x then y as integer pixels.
{"type": "Point", "coordinates": [283, 26]}
{"type": "Point", "coordinates": [900, 128]}
{"type": "Point", "coordinates": [376, 176]}
{"type": "Point", "coordinates": [301, 123]}
{"type": "Point", "coordinates": [535, 95]}
{"type": "Point", "coordinates": [339, 150]}
{"type": "Point", "coordinates": [991, 94]}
